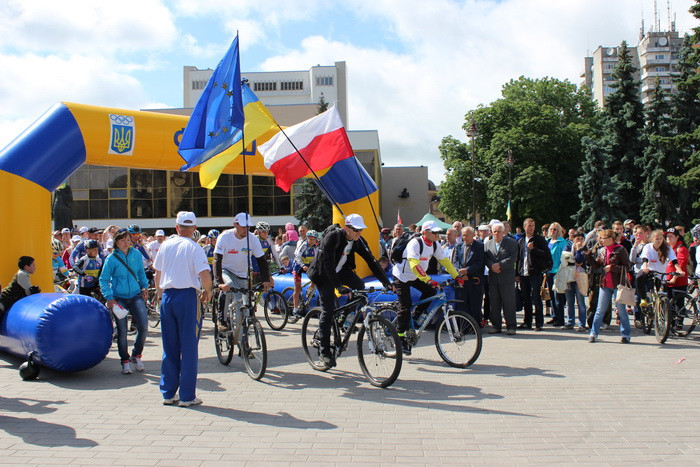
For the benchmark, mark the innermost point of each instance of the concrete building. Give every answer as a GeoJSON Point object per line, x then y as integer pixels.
{"type": "Point", "coordinates": [405, 191]}
{"type": "Point", "coordinates": [655, 57]}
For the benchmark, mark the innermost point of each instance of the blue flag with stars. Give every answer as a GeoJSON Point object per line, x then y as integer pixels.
{"type": "Point", "coordinates": [217, 120]}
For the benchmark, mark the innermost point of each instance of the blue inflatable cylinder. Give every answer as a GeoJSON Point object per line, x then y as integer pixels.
{"type": "Point", "coordinates": [66, 332]}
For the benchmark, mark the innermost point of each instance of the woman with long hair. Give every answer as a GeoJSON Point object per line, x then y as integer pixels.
{"type": "Point", "coordinates": [614, 260]}
{"type": "Point", "coordinates": [557, 243]}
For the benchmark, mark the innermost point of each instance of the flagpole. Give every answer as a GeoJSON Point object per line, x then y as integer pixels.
{"type": "Point", "coordinates": [359, 171]}
{"type": "Point", "coordinates": [318, 180]}
{"type": "Point", "coordinates": [247, 238]}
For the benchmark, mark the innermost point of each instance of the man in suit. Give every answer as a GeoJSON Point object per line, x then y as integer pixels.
{"type": "Point", "coordinates": [501, 255]}
{"type": "Point", "coordinates": [534, 259]}
{"type": "Point", "coordinates": [468, 258]}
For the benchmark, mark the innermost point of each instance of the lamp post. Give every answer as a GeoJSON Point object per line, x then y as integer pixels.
{"type": "Point", "coordinates": [473, 132]}
{"type": "Point", "coordinates": [510, 161]}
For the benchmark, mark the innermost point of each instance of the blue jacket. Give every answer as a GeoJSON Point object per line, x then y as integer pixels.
{"type": "Point", "coordinates": [117, 281]}
{"type": "Point", "coordinates": [475, 259]}
{"type": "Point", "coordinates": [557, 248]}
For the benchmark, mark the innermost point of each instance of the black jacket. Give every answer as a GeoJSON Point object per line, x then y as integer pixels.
{"type": "Point", "coordinates": [322, 268]}
{"type": "Point", "coordinates": [539, 258]}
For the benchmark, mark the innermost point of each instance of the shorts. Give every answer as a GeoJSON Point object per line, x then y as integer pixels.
{"type": "Point", "coordinates": [296, 275]}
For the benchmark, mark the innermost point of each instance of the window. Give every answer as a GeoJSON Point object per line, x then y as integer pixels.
{"type": "Point", "coordinates": [660, 57]}
{"type": "Point", "coordinates": [265, 86]}
{"type": "Point", "coordinates": [186, 194]}
{"type": "Point", "coordinates": [99, 192]}
{"type": "Point", "coordinates": [292, 86]}
{"type": "Point", "coordinates": [660, 68]}
{"type": "Point", "coordinates": [268, 198]}
{"type": "Point", "coordinates": [229, 197]}
{"type": "Point", "coordinates": [324, 81]}
{"type": "Point", "coordinates": [199, 84]}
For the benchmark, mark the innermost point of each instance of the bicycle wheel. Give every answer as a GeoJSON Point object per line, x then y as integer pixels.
{"type": "Point", "coordinates": [153, 308]}
{"type": "Point", "coordinates": [686, 322]}
{"type": "Point", "coordinates": [254, 349]}
{"type": "Point", "coordinates": [388, 312]}
{"type": "Point", "coordinates": [310, 339]}
{"type": "Point", "coordinates": [463, 346]}
{"type": "Point", "coordinates": [288, 294]}
{"type": "Point", "coordinates": [661, 318]}
{"type": "Point", "coordinates": [379, 351]}
{"type": "Point", "coordinates": [276, 312]}
{"type": "Point", "coordinates": [223, 341]}
{"type": "Point", "coordinates": [647, 319]}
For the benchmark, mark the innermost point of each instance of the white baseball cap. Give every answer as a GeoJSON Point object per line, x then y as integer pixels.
{"type": "Point", "coordinates": [484, 227]}
{"type": "Point", "coordinates": [431, 225]}
{"type": "Point", "coordinates": [243, 219]}
{"type": "Point", "coordinates": [83, 229]}
{"type": "Point", "coordinates": [356, 221]}
{"type": "Point", "coordinates": [186, 218]}
{"type": "Point", "coordinates": [65, 230]}
{"type": "Point", "coordinates": [75, 238]}
{"type": "Point", "coordinates": [160, 233]}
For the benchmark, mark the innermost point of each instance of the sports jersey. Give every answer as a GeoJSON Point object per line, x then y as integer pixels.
{"type": "Point", "coordinates": [305, 254]}
{"type": "Point", "coordinates": [655, 264]}
{"type": "Point", "coordinates": [235, 251]}
{"type": "Point", "coordinates": [88, 270]}
{"type": "Point", "coordinates": [403, 270]}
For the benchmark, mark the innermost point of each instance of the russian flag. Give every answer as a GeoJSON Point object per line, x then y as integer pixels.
{"type": "Point", "coordinates": [315, 144]}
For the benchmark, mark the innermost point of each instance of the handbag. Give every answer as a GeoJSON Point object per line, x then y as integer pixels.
{"type": "Point", "coordinates": [544, 290]}
{"type": "Point", "coordinates": [582, 280]}
{"type": "Point", "coordinates": [625, 293]}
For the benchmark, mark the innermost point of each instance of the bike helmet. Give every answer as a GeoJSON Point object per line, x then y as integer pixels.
{"type": "Point", "coordinates": [196, 235]}
{"type": "Point", "coordinates": [213, 233]}
{"type": "Point", "coordinates": [263, 226]}
{"type": "Point", "coordinates": [134, 229]}
{"type": "Point", "coordinates": [56, 246]}
{"type": "Point", "coordinates": [91, 244]}
{"type": "Point", "coordinates": [312, 233]}
{"type": "Point", "coordinates": [695, 232]}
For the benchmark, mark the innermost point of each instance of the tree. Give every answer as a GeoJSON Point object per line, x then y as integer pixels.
{"type": "Point", "coordinates": [686, 117]}
{"type": "Point", "coordinates": [542, 122]}
{"type": "Point", "coordinates": [455, 191]}
{"type": "Point", "coordinates": [314, 208]}
{"type": "Point", "coordinates": [593, 183]}
{"type": "Point", "coordinates": [624, 124]}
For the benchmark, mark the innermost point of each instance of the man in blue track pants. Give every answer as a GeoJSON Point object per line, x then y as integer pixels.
{"type": "Point", "coordinates": [181, 269]}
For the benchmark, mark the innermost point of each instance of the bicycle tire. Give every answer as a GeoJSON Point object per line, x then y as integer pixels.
{"type": "Point", "coordinates": [223, 343]}
{"type": "Point", "coordinates": [276, 310]}
{"type": "Point", "coordinates": [379, 353]}
{"type": "Point", "coordinates": [687, 323]}
{"type": "Point", "coordinates": [388, 312]}
{"type": "Point", "coordinates": [254, 349]}
{"type": "Point", "coordinates": [467, 339]}
{"type": "Point", "coordinates": [661, 318]}
{"type": "Point", "coordinates": [288, 294]}
{"type": "Point", "coordinates": [310, 339]}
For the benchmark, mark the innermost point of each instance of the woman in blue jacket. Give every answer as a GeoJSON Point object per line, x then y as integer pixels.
{"type": "Point", "coordinates": [557, 243]}
{"type": "Point", "coordinates": [123, 281]}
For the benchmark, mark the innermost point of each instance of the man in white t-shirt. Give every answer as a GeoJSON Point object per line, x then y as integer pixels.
{"type": "Point", "coordinates": [154, 246]}
{"type": "Point", "coordinates": [410, 272]}
{"type": "Point", "coordinates": [181, 267]}
{"type": "Point", "coordinates": [235, 250]}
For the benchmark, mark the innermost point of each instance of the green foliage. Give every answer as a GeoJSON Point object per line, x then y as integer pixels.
{"type": "Point", "coordinates": [314, 208]}
{"type": "Point", "coordinates": [542, 121]}
{"type": "Point", "coordinates": [593, 184]}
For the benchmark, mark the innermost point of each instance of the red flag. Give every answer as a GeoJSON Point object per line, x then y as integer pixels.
{"type": "Point", "coordinates": [398, 217]}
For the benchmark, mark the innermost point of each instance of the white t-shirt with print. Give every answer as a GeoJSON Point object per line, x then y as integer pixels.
{"type": "Point", "coordinates": [344, 258]}
{"type": "Point", "coordinates": [655, 264]}
{"type": "Point", "coordinates": [403, 272]}
{"type": "Point", "coordinates": [235, 251]}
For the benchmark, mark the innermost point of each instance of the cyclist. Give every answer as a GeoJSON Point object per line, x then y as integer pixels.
{"type": "Point", "coordinates": [410, 272]}
{"type": "Point", "coordinates": [88, 268]}
{"type": "Point", "coordinates": [135, 234]}
{"type": "Point", "coordinates": [262, 230]}
{"type": "Point", "coordinates": [213, 235]}
{"type": "Point", "coordinates": [235, 249]}
{"type": "Point", "coordinates": [333, 268]}
{"type": "Point", "coordinates": [60, 271]}
{"type": "Point", "coordinates": [304, 255]}
{"type": "Point", "coordinates": [79, 250]}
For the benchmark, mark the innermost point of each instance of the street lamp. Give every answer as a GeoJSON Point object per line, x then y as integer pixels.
{"type": "Point", "coordinates": [510, 161]}
{"type": "Point", "coordinates": [473, 132]}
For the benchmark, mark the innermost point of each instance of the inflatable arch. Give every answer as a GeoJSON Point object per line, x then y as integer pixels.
{"type": "Point", "coordinates": [69, 135]}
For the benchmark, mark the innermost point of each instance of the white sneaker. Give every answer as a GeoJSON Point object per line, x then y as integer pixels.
{"type": "Point", "coordinates": [195, 401]}
{"type": "Point", "coordinates": [605, 327]}
{"type": "Point", "coordinates": [171, 401]}
{"type": "Point", "coordinates": [126, 368]}
{"type": "Point", "coordinates": [137, 363]}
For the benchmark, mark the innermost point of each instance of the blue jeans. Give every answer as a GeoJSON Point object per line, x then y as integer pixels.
{"type": "Point", "coordinates": [558, 301]}
{"type": "Point", "coordinates": [572, 294]}
{"type": "Point", "coordinates": [137, 308]}
{"type": "Point", "coordinates": [604, 296]}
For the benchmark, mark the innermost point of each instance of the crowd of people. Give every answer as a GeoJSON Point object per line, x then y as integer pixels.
{"type": "Point", "coordinates": [570, 277]}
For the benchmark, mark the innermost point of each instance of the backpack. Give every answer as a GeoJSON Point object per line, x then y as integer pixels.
{"type": "Point", "coordinates": [400, 246]}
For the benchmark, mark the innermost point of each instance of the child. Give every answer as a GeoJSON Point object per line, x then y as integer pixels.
{"type": "Point", "coordinates": [285, 264]}
{"type": "Point", "coordinates": [60, 271]}
{"type": "Point", "coordinates": [88, 268]}
{"type": "Point", "coordinates": [20, 286]}
{"type": "Point", "coordinates": [306, 253]}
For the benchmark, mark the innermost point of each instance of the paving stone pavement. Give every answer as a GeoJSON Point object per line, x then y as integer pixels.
{"type": "Point", "coordinates": [548, 397]}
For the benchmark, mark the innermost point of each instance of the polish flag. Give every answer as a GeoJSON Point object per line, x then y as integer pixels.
{"type": "Point", "coordinates": [321, 141]}
{"type": "Point", "coordinates": [398, 217]}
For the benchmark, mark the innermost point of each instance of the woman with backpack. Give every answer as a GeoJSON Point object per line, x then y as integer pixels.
{"type": "Point", "coordinates": [123, 282]}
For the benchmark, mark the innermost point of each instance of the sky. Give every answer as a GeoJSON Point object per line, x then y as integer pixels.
{"type": "Point", "coordinates": [415, 68]}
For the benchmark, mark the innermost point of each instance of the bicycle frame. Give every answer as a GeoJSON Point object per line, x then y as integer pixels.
{"type": "Point", "coordinates": [361, 305]}
{"type": "Point", "coordinates": [437, 300]}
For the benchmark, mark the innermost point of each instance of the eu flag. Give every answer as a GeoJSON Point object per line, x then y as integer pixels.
{"type": "Point", "coordinates": [217, 120]}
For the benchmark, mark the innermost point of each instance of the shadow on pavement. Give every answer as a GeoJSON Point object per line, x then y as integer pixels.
{"type": "Point", "coordinates": [19, 404]}
{"type": "Point", "coordinates": [509, 371]}
{"type": "Point", "coordinates": [38, 433]}
{"type": "Point", "coordinates": [280, 419]}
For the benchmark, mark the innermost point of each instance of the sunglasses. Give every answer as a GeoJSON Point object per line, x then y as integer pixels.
{"type": "Point", "coordinates": [354, 229]}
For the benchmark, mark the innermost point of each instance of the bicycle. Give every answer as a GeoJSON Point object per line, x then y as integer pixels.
{"type": "Point", "coordinates": [153, 307]}
{"type": "Point", "coordinates": [378, 344]}
{"type": "Point", "coordinates": [305, 299]}
{"type": "Point", "coordinates": [244, 330]}
{"type": "Point", "coordinates": [457, 335]}
{"type": "Point", "coordinates": [660, 305]}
